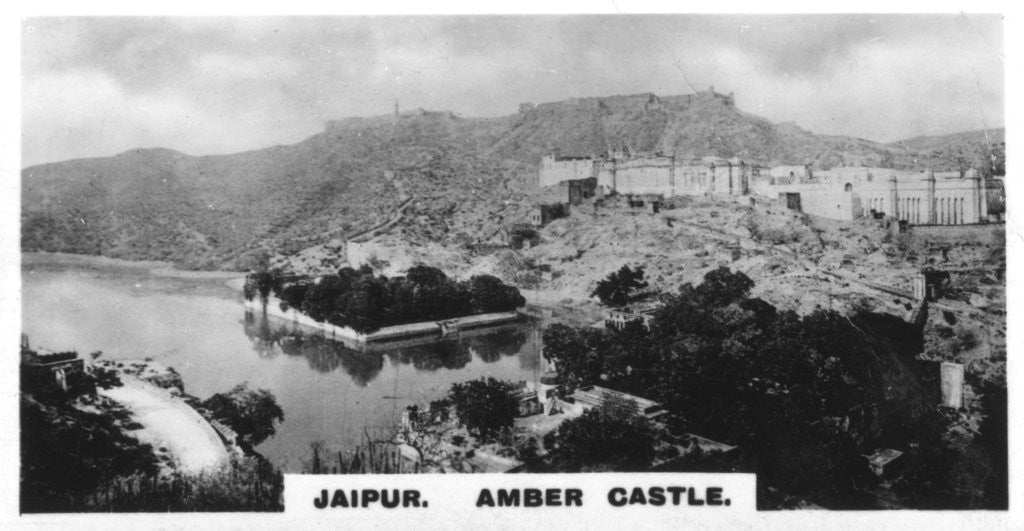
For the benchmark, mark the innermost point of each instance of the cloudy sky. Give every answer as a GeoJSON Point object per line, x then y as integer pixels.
{"type": "Point", "coordinates": [100, 86]}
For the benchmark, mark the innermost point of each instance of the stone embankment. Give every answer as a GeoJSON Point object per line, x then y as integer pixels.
{"type": "Point", "coordinates": [272, 308]}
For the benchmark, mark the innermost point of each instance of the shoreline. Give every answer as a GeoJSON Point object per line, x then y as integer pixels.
{"type": "Point", "coordinates": [389, 333]}
{"type": "Point", "coordinates": [154, 267]}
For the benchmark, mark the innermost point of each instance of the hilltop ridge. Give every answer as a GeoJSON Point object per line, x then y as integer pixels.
{"type": "Point", "coordinates": [469, 175]}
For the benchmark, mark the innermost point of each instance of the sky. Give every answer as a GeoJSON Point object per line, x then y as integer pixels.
{"type": "Point", "coordinates": [99, 86]}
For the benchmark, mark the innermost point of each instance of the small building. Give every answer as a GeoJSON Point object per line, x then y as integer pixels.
{"type": "Point", "coordinates": [581, 189]}
{"type": "Point", "coordinates": [42, 367]}
{"type": "Point", "coordinates": [952, 384]}
{"type": "Point", "coordinates": [929, 284]}
{"type": "Point", "coordinates": [592, 396]}
{"type": "Point", "coordinates": [649, 202]}
{"type": "Point", "coordinates": [618, 318]}
{"type": "Point", "coordinates": [689, 443]}
{"type": "Point", "coordinates": [543, 214]}
{"type": "Point", "coordinates": [879, 462]}
{"type": "Point", "coordinates": [728, 253]}
{"type": "Point", "coordinates": [528, 401]}
{"type": "Point", "coordinates": [939, 252]}
{"type": "Point", "coordinates": [790, 174]}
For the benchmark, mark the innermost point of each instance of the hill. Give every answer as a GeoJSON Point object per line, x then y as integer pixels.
{"type": "Point", "coordinates": [984, 150]}
{"type": "Point", "coordinates": [922, 143]}
{"type": "Point", "coordinates": [697, 125]}
{"type": "Point", "coordinates": [467, 176]}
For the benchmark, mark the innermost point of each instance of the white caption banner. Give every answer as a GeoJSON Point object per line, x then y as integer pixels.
{"type": "Point", "coordinates": [600, 498]}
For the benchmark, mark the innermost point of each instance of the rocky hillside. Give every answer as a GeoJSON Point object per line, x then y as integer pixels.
{"type": "Point", "coordinates": [468, 177]}
{"type": "Point", "coordinates": [924, 143]}
{"type": "Point", "coordinates": [688, 126]}
{"type": "Point", "coordinates": [984, 150]}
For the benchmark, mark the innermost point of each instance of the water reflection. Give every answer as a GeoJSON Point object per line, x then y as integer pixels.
{"type": "Point", "coordinates": [271, 336]}
{"type": "Point", "coordinates": [328, 392]}
{"type": "Point", "coordinates": [324, 355]}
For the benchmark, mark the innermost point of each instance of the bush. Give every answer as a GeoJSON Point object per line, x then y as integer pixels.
{"type": "Point", "coordinates": [619, 286]}
{"type": "Point", "coordinates": [485, 406]}
{"type": "Point", "coordinates": [612, 435]}
{"type": "Point", "coordinates": [243, 484]}
{"type": "Point", "coordinates": [252, 414]}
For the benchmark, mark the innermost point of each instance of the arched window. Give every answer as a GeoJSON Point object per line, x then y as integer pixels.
{"type": "Point", "coordinates": [848, 187]}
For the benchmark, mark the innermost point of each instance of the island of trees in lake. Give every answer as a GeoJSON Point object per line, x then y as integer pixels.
{"type": "Point", "coordinates": [365, 302]}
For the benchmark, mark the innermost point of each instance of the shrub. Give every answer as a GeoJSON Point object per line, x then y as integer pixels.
{"type": "Point", "coordinates": [619, 286]}
{"type": "Point", "coordinates": [252, 414]}
{"type": "Point", "coordinates": [485, 406]}
{"type": "Point", "coordinates": [612, 435]}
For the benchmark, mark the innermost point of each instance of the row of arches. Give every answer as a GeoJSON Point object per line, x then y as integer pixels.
{"type": "Point", "coordinates": [910, 210]}
{"type": "Point", "coordinates": [948, 210]}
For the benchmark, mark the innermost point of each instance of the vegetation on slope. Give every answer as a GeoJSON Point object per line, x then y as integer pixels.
{"type": "Point", "coordinates": [804, 398]}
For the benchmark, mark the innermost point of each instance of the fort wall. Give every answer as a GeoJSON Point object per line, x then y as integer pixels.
{"type": "Point", "coordinates": [657, 175]}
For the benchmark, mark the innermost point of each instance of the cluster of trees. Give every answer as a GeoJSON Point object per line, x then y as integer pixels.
{"type": "Point", "coordinates": [366, 302]}
{"type": "Point", "coordinates": [803, 397]}
{"type": "Point", "coordinates": [67, 453]}
{"type": "Point", "coordinates": [485, 406]}
{"type": "Point", "coordinates": [619, 286]}
{"type": "Point", "coordinates": [252, 413]}
{"type": "Point", "coordinates": [613, 436]}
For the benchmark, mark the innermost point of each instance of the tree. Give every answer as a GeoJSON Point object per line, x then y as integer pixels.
{"type": "Point", "coordinates": [992, 438]}
{"type": "Point", "coordinates": [722, 287]}
{"type": "Point", "coordinates": [488, 294]}
{"type": "Point", "coordinates": [426, 276]}
{"type": "Point", "coordinates": [619, 286]}
{"type": "Point", "coordinates": [612, 435]}
{"type": "Point", "coordinates": [262, 283]}
{"type": "Point", "coordinates": [293, 294]}
{"type": "Point", "coordinates": [253, 414]}
{"type": "Point", "coordinates": [991, 160]}
{"type": "Point", "coordinates": [364, 307]}
{"type": "Point", "coordinates": [485, 406]}
{"type": "Point", "coordinates": [575, 352]}
{"type": "Point", "coordinates": [320, 301]}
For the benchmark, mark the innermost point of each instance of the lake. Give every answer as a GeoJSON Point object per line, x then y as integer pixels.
{"type": "Point", "coordinates": [196, 323]}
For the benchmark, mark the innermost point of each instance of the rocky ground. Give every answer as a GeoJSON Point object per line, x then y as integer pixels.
{"type": "Point", "coordinates": [797, 262]}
